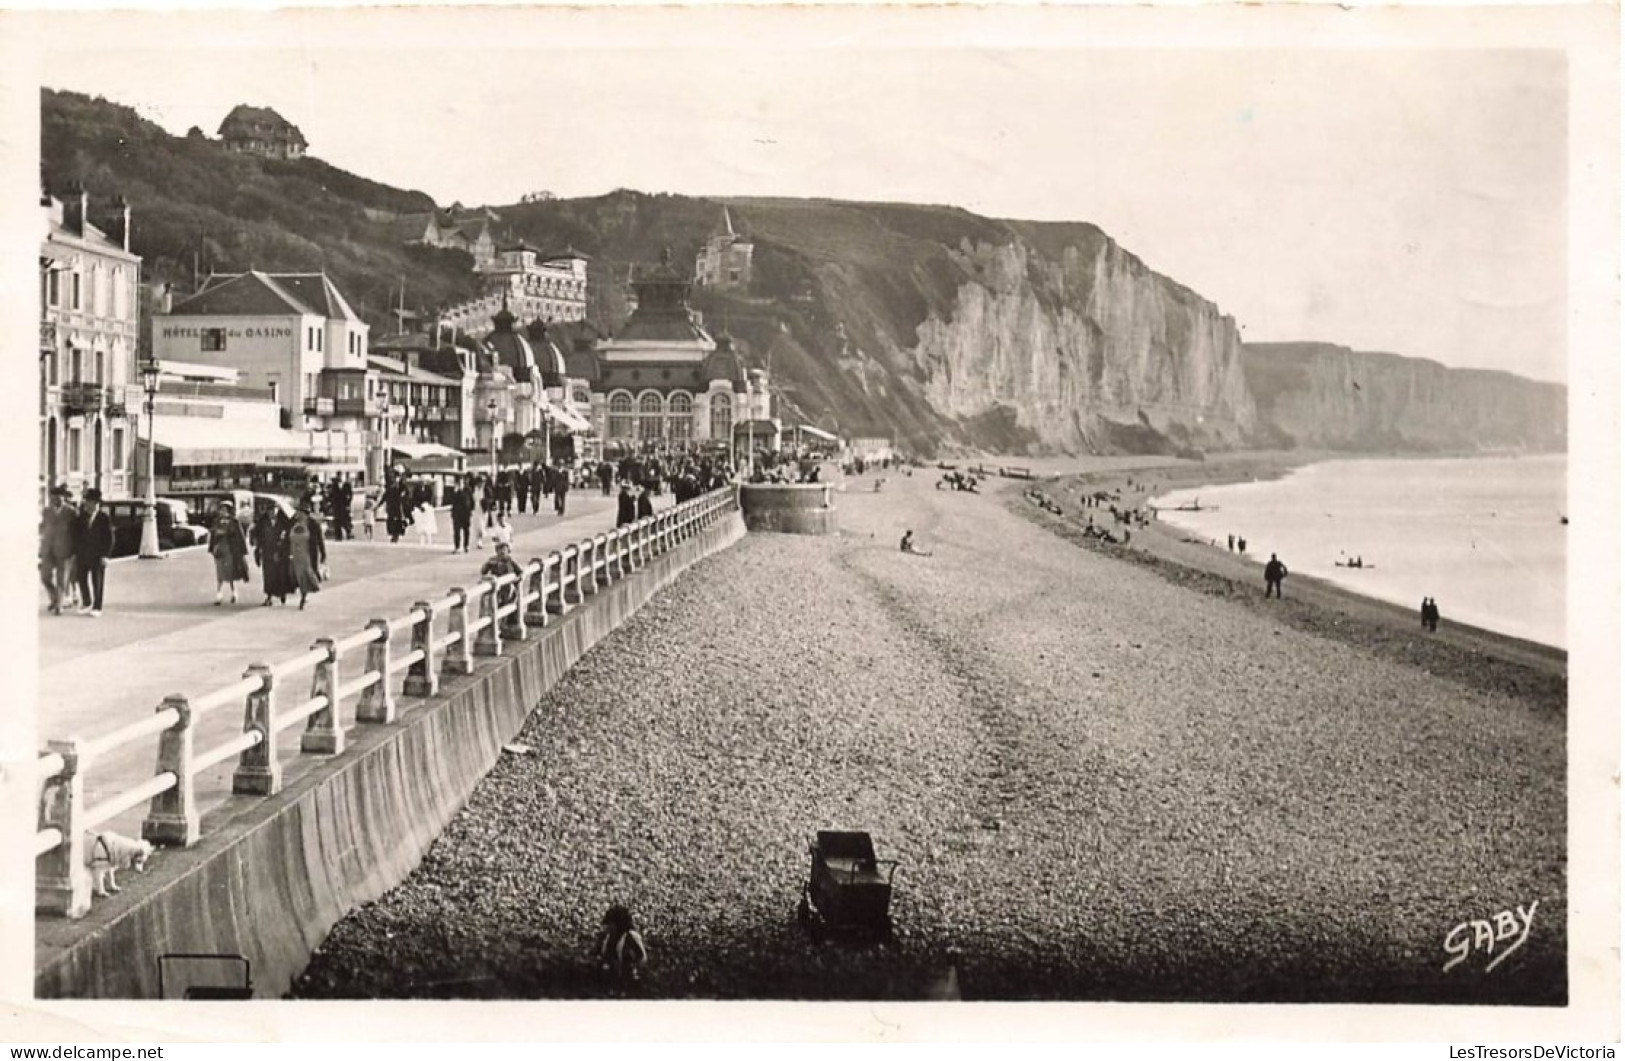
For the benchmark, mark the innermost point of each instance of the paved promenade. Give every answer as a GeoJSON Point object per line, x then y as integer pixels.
{"type": "Point", "coordinates": [161, 634]}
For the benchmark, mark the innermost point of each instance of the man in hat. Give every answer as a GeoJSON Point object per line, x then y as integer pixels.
{"type": "Point", "coordinates": [58, 541]}
{"type": "Point", "coordinates": [94, 550]}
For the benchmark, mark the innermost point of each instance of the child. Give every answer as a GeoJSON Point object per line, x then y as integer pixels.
{"type": "Point", "coordinates": [501, 533]}
{"type": "Point", "coordinates": [423, 519]}
{"type": "Point", "coordinates": [369, 513]}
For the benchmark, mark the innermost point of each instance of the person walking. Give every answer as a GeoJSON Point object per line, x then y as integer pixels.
{"type": "Point", "coordinates": [369, 513]}
{"type": "Point", "coordinates": [1274, 574]}
{"type": "Point", "coordinates": [626, 507]}
{"type": "Point", "coordinates": [229, 548]}
{"type": "Point", "coordinates": [561, 489]}
{"type": "Point", "coordinates": [501, 532]}
{"type": "Point", "coordinates": [58, 541]}
{"type": "Point", "coordinates": [538, 486]}
{"type": "Point", "coordinates": [462, 514]}
{"type": "Point", "coordinates": [646, 503]}
{"type": "Point", "coordinates": [308, 550]}
{"type": "Point", "coordinates": [606, 477]}
{"type": "Point", "coordinates": [395, 506]}
{"type": "Point", "coordinates": [93, 549]}
{"type": "Point", "coordinates": [271, 552]}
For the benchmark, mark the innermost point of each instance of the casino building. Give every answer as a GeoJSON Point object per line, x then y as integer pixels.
{"type": "Point", "coordinates": [664, 382]}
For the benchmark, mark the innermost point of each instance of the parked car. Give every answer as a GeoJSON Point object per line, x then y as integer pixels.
{"type": "Point", "coordinates": [173, 529]}
{"type": "Point", "coordinates": [184, 531]}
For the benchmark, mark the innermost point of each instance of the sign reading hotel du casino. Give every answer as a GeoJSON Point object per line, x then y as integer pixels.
{"type": "Point", "coordinates": [220, 338]}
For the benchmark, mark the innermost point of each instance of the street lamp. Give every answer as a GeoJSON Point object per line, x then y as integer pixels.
{"type": "Point", "coordinates": [149, 513]}
{"type": "Point", "coordinates": [491, 407]}
{"type": "Point", "coordinates": [547, 441]}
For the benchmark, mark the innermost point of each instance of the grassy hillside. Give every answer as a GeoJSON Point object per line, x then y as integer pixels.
{"type": "Point", "coordinates": [195, 206]}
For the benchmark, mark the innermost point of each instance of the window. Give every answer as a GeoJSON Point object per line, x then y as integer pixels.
{"type": "Point", "coordinates": [101, 368]}
{"type": "Point", "coordinates": [76, 365]}
{"type": "Point", "coordinates": [680, 422]}
{"type": "Point", "coordinates": [73, 449]}
{"type": "Point", "coordinates": [620, 415]}
{"type": "Point", "coordinates": [78, 302]}
{"type": "Point", "coordinates": [213, 339]}
{"type": "Point", "coordinates": [722, 417]}
{"type": "Point", "coordinates": [54, 297]}
{"type": "Point", "coordinates": [581, 397]}
{"type": "Point", "coordinates": [118, 449]}
{"type": "Point", "coordinates": [121, 295]}
{"type": "Point", "coordinates": [651, 411]}
{"type": "Point", "coordinates": [733, 276]}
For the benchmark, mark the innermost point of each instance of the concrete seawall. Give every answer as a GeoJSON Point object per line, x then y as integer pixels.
{"type": "Point", "coordinates": [269, 881]}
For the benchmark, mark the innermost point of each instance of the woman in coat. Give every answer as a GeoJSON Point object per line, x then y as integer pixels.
{"type": "Point", "coordinates": [308, 549]}
{"type": "Point", "coordinates": [271, 553]}
{"type": "Point", "coordinates": [229, 548]}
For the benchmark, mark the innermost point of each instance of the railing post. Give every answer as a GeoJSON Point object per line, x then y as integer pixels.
{"type": "Point", "coordinates": [517, 630]}
{"type": "Point", "coordinates": [459, 654]}
{"type": "Point", "coordinates": [488, 642]}
{"type": "Point", "coordinates": [618, 540]}
{"type": "Point", "coordinates": [600, 560]}
{"type": "Point", "coordinates": [172, 817]}
{"type": "Point", "coordinates": [259, 771]}
{"type": "Point", "coordinates": [323, 734]}
{"type": "Point", "coordinates": [570, 575]}
{"type": "Point", "coordinates": [377, 703]}
{"type": "Point", "coordinates": [422, 677]}
{"type": "Point", "coordinates": [61, 885]}
{"type": "Point", "coordinates": [555, 585]}
{"type": "Point", "coordinates": [646, 535]}
{"type": "Point", "coordinates": [536, 606]}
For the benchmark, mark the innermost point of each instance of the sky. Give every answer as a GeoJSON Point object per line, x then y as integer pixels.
{"type": "Point", "coordinates": [1408, 193]}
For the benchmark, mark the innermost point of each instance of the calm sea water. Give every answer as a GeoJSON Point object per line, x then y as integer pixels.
{"type": "Point", "coordinates": [1483, 537]}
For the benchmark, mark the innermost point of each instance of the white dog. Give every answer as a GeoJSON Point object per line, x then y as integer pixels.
{"type": "Point", "coordinates": [107, 853]}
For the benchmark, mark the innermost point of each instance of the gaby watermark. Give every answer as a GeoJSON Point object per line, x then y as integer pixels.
{"type": "Point", "coordinates": [1497, 937]}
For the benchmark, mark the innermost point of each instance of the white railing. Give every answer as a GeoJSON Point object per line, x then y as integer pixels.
{"type": "Point", "coordinates": [445, 637]}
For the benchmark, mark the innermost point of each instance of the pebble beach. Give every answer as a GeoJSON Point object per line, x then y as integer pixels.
{"type": "Point", "coordinates": [1106, 775]}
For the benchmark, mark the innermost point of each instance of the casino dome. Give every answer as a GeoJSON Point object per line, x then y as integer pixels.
{"type": "Point", "coordinates": [549, 358]}
{"type": "Point", "coordinates": [723, 363]}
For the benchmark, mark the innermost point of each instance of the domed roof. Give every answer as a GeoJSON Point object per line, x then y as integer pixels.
{"type": "Point", "coordinates": [509, 348]}
{"type": "Point", "coordinates": [548, 356]}
{"type": "Point", "coordinates": [723, 363]}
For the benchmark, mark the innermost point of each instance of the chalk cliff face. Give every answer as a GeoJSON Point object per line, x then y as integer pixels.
{"type": "Point", "coordinates": [1322, 396]}
{"type": "Point", "coordinates": [1090, 349]}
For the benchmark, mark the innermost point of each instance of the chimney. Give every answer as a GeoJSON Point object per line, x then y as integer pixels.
{"type": "Point", "coordinates": [120, 227]}
{"type": "Point", "coordinates": [75, 204]}
{"type": "Point", "coordinates": [166, 297]}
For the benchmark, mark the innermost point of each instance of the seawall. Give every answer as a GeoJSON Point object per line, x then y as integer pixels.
{"type": "Point", "coordinates": [268, 882]}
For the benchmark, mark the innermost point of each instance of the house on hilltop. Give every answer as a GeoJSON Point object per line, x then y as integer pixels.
{"type": "Point", "coordinates": [261, 131]}
{"type": "Point", "coordinates": [724, 261]}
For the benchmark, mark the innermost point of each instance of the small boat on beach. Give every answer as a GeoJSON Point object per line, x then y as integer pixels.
{"type": "Point", "coordinates": [1355, 567]}
{"type": "Point", "coordinates": [1194, 506]}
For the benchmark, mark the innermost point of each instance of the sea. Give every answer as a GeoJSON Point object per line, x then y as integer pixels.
{"type": "Point", "coordinates": [1484, 537]}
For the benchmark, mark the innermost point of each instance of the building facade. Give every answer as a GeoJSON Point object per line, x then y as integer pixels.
{"type": "Point", "coordinates": [663, 382]}
{"type": "Point", "coordinates": [295, 335]}
{"type": "Point", "coordinates": [725, 260]}
{"type": "Point", "coordinates": [90, 389]}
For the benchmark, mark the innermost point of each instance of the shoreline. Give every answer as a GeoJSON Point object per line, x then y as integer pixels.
{"type": "Point", "coordinates": [1479, 657]}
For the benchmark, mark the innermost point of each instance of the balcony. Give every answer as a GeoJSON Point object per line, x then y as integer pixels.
{"type": "Point", "coordinates": [47, 335]}
{"type": "Point", "coordinates": [81, 397]}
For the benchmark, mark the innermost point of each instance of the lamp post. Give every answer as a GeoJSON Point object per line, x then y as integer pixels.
{"type": "Point", "coordinates": [491, 407]}
{"type": "Point", "coordinates": [547, 441]}
{"type": "Point", "coordinates": [149, 512]}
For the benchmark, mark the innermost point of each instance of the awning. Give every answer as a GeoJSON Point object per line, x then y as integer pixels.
{"type": "Point", "coordinates": [571, 421]}
{"type": "Point", "coordinates": [198, 440]}
{"type": "Point", "coordinates": [808, 429]}
{"type": "Point", "coordinates": [424, 450]}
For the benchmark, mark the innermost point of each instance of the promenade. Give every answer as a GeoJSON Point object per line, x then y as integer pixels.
{"type": "Point", "coordinates": [161, 634]}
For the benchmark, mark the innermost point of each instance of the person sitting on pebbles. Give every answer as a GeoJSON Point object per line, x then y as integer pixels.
{"type": "Point", "coordinates": [907, 545]}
